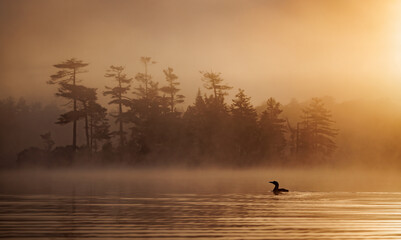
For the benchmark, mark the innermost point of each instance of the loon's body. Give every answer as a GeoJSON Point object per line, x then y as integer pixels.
{"type": "Point", "coordinates": [277, 190]}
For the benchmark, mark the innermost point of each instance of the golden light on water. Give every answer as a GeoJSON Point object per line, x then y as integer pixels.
{"type": "Point", "coordinates": [166, 176]}
{"type": "Point", "coordinates": [197, 203]}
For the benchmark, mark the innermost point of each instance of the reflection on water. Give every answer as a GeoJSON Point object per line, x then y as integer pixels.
{"type": "Point", "coordinates": [296, 215]}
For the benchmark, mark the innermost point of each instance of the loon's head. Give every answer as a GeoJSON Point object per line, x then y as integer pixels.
{"type": "Point", "coordinates": [274, 182]}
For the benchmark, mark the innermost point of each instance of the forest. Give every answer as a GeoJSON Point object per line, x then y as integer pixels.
{"type": "Point", "coordinates": [143, 126]}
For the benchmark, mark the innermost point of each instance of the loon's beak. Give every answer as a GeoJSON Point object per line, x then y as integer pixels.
{"type": "Point", "coordinates": [270, 182]}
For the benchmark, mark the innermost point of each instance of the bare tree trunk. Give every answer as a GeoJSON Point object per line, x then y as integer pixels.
{"type": "Point", "coordinates": [146, 83]}
{"type": "Point", "coordinates": [121, 128]}
{"type": "Point", "coordinates": [120, 108]}
{"type": "Point", "coordinates": [91, 134]}
{"type": "Point", "coordinates": [172, 102]}
{"type": "Point", "coordinates": [74, 126]}
{"type": "Point", "coordinates": [86, 127]}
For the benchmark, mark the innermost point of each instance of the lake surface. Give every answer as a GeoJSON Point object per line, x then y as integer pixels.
{"type": "Point", "coordinates": [111, 209]}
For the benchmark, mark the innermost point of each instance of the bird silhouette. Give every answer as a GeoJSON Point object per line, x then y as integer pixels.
{"type": "Point", "coordinates": [277, 190]}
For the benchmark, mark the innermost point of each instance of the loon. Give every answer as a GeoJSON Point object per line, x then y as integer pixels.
{"type": "Point", "coordinates": [277, 190]}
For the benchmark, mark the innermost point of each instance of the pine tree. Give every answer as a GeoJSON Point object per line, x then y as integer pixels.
{"type": "Point", "coordinates": [316, 133]}
{"type": "Point", "coordinates": [119, 97]}
{"type": "Point", "coordinates": [147, 88]}
{"type": "Point", "coordinates": [213, 81]}
{"type": "Point", "coordinates": [244, 129]}
{"type": "Point", "coordinates": [150, 114]}
{"type": "Point", "coordinates": [272, 129]}
{"type": "Point", "coordinates": [98, 125]}
{"type": "Point", "coordinates": [83, 96]}
{"type": "Point", "coordinates": [64, 77]}
{"type": "Point", "coordinates": [171, 89]}
{"type": "Point", "coordinates": [195, 128]}
{"type": "Point", "coordinates": [48, 141]}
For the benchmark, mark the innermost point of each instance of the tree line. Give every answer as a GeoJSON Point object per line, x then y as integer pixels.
{"type": "Point", "coordinates": [146, 127]}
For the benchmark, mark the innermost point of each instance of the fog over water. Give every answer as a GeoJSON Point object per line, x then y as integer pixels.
{"type": "Point", "coordinates": [206, 204]}
{"type": "Point", "coordinates": [206, 102]}
{"type": "Point", "coordinates": [347, 50]}
{"type": "Point", "coordinates": [150, 181]}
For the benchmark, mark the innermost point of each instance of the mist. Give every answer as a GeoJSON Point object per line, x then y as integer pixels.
{"type": "Point", "coordinates": [147, 182]}
{"type": "Point", "coordinates": [345, 53]}
{"type": "Point", "coordinates": [177, 119]}
{"type": "Point", "coordinates": [284, 49]}
{"type": "Point", "coordinates": [368, 137]}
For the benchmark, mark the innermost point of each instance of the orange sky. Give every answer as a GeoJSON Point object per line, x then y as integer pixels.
{"type": "Point", "coordinates": [343, 48]}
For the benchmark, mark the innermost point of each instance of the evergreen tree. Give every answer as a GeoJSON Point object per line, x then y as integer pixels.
{"type": "Point", "coordinates": [195, 128]}
{"type": "Point", "coordinates": [216, 117]}
{"type": "Point", "coordinates": [119, 96]}
{"type": "Point", "coordinates": [171, 89]}
{"type": "Point", "coordinates": [48, 141]}
{"type": "Point", "coordinates": [83, 95]}
{"type": "Point", "coordinates": [207, 124]}
{"type": "Point", "coordinates": [213, 81]}
{"type": "Point", "coordinates": [98, 125]}
{"type": "Point", "coordinates": [244, 127]}
{"type": "Point", "coordinates": [147, 88]}
{"type": "Point", "coordinates": [293, 133]}
{"type": "Point", "coordinates": [272, 129]}
{"type": "Point", "coordinates": [316, 132]}
{"type": "Point", "coordinates": [67, 76]}
{"type": "Point", "coordinates": [154, 125]}
{"type": "Point", "coordinates": [149, 117]}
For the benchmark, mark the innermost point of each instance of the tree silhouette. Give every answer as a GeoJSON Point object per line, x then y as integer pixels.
{"type": "Point", "coordinates": [207, 123]}
{"type": "Point", "coordinates": [118, 95]}
{"type": "Point", "coordinates": [86, 96]}
{"type": "Point", "coordinates": [83, 95]}
{"type": "Point", "coordinates": [171, 89]}
{"type": "Point", "coordinates": [147, 87]}
{"type": "Point", "coordinates": [244, 119]}
{"type": "Point", "coordinates": [195, 128]}
{"type": "Point", "coordinates": [213, 81]}
{"type": "Point", "coordinates": [98, 124]}
{"type": "Point", "coordinates": [316, 134]}
{"type": "Point", "coordinates": [67, 76]}
{"type": "Point", "coordinates": [272, 129]}
{"type": "Point", "coordinates": [149, 117]}
{"type": "Point", "coordinates": [48, 142]}
{"type": "Point", "coordinates": [150, 113]}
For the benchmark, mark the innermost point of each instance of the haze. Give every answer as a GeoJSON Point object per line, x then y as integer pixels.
{"type": "Point", "coordinates": [284, 49]}
{"type": "Point", "coordinates": [178, 118]}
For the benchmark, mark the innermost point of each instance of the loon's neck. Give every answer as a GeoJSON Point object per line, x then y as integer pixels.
{"type": "Point", "coordinates": [275, 187]}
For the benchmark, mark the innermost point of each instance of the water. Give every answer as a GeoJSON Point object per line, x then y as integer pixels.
{"type": "Point", "coordinates": [113, 209]}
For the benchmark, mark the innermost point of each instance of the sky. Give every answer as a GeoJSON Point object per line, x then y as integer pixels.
{"type": "Point", "coordinates": [347, 49]}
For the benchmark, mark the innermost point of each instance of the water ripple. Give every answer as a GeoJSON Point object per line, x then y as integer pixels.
{"type": "Point", "coordinates": [296, 215]}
